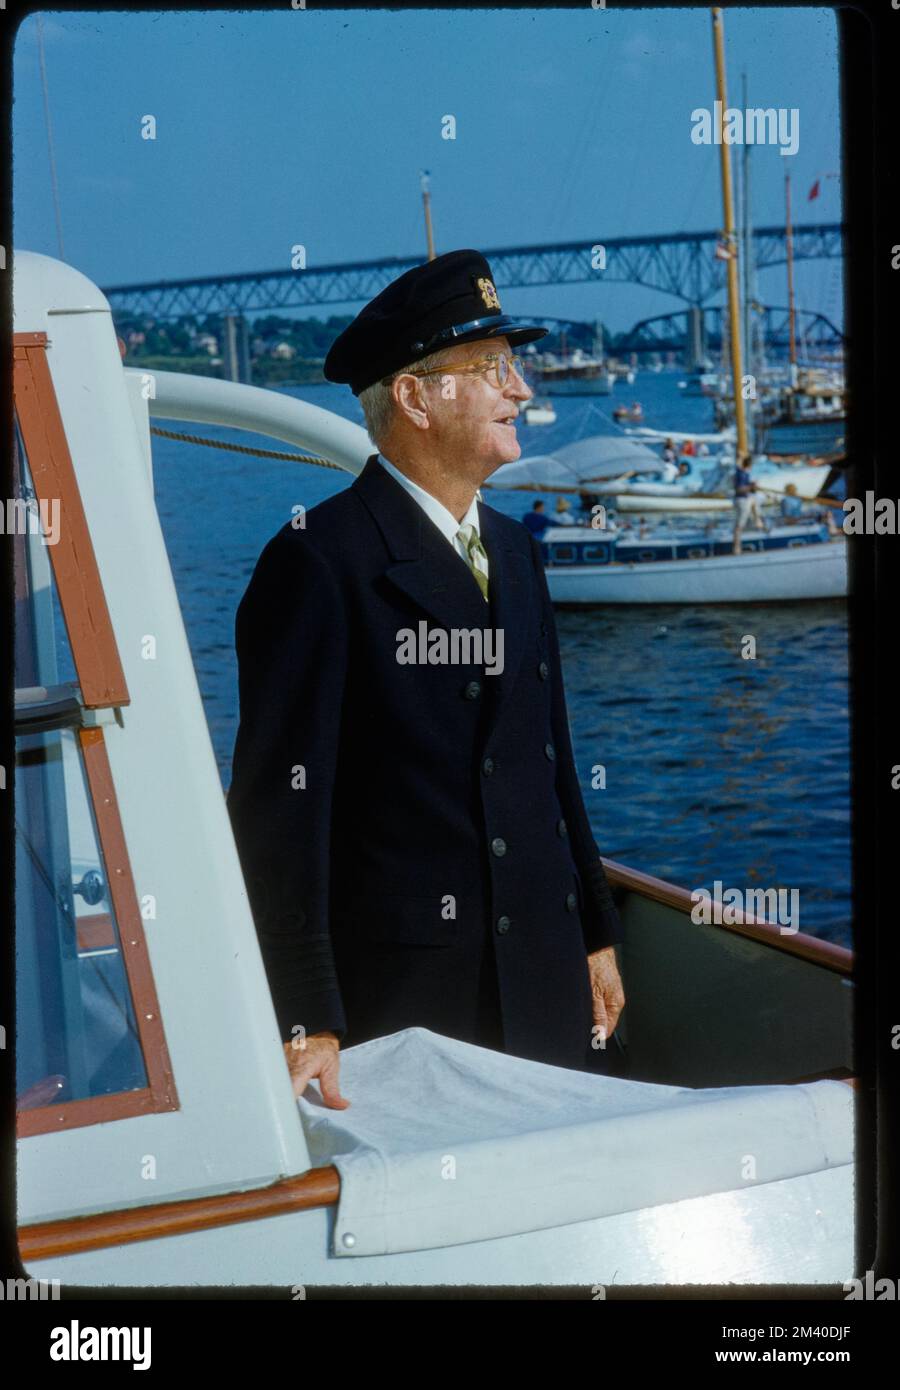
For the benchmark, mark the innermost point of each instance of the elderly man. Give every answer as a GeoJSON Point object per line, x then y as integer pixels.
{"type": "Point", "coordinates": [404, 796]}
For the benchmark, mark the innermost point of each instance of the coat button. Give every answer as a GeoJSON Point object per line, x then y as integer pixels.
{"type": "Point", "coordinates": [562, 829]}
{"type": "Point", "coordinates": [503, 924]}
{"type": "Point", "coordinates": [549, 752]}
{"type": "Point", "coordinates": [487, 766]}
{"type": "Point", "coordinates": [498, 847]}
{"type": "Point", "coordinates": [571, 902]}
{"type": "Point", "coordinates": [543, 670]}
{"type": "Point", "coordinates": [472, 690]}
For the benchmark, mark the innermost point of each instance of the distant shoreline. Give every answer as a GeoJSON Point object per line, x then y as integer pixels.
{"type": "Point", "coordinates": [265, 372]}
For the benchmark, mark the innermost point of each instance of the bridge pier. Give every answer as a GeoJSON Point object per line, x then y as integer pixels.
{"type": "Point", "coordinates": [236, 349]}
{"type": "Point", "coordinates": [695, 337]}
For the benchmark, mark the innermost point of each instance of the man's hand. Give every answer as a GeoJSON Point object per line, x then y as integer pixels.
{"type": "Point", "coordinates": [318, 1056]}
{"type": "Point", "coordinates": [606, 989]}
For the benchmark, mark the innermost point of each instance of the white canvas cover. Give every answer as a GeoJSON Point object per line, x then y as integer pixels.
{"type": "Point", "coordinates": [596, 457]}
{"type": "Point", "coordinates": [445, 1143]}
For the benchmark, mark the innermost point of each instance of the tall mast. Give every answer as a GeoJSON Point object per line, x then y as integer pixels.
{"type": "Point", "coordinates": [426, 204]}
{"type": "Point", "coordinates": [790, 275]}
{"type": "Point", "coordinates": [745, 239]}
{"type": "Point", "coordinates": [746, 267]}
{"type": "Point", "coordinates": [734, 317]}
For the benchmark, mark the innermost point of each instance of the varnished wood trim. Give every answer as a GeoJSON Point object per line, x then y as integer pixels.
{"type": "Point", "coordinates": [824, 953]}
{"type": "Point", "coordinates": [22, 341]}
{"type": "Point", "coordinates": [319, 1187]}
{"type": "Point", "coordinates": [160, 1093]}
{"type": "Point", "coordinates": [78, 582]}
{"type": "Point", "coordinates": [94, 1110]}
{"type": "Point", "coordinates": [96, 932]}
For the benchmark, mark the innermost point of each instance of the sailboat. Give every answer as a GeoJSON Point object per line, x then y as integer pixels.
{"type": "Point", "coordinates": [778, 563]}
{"type": "Point", "coordinates": [575, 373]}
{"type": "Point", "coordinates": [626, 473]}
{"type": "Point", "coordinates": [806, 414]}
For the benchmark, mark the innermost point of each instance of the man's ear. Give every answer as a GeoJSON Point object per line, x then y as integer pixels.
{"type": "Point", "coordinates": [409, 399]}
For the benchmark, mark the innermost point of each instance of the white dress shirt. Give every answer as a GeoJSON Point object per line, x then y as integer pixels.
{"type": "Point", "coordinates": [444, 520]}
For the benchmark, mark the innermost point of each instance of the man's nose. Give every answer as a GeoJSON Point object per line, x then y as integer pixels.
{"type": "Point", "coordinates": [517, 387]}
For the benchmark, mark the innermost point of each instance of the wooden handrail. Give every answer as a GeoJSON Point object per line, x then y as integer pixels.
{"type": "Point", "coordinates": [318, 1187]}
{"type": "Point", "coordinates": [824, 953]}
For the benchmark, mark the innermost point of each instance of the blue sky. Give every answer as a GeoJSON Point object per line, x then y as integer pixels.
{"type": "Point", "coordinates": [312, 127]}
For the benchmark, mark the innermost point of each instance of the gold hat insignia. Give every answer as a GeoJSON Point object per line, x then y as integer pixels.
{"type": "Point", "coordinates": [488, 293]}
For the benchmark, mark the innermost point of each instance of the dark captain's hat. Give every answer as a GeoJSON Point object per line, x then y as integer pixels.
{"type": "Point", "coordinates": [449, 300]}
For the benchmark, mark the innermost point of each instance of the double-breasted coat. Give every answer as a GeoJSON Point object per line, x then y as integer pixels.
{"type": "Point", "coordinates": [413, 837]}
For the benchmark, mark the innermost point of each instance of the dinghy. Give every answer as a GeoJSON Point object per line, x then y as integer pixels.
{"type": "Point", "coordinates": [538, 412]}
{"type": "Point", "coordinates": [160, 1143]}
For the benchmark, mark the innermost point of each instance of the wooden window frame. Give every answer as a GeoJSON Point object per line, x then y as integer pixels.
{"type": "Point", "coordinates": [102, 685]}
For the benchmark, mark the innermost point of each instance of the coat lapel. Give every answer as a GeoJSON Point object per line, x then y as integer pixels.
{"type": "Point", "coordinates": [424, 565]}
{"type": "Point", "coordinates": [430, 572]}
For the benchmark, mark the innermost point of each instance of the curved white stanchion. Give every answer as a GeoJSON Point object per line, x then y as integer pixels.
{"type": "Point", "coordinates": [211, 401]}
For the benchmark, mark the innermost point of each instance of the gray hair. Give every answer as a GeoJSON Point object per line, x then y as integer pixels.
{"type": "Point", "coordinates": [378, 402]}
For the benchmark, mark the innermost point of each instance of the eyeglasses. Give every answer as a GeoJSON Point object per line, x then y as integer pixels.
{"type": "Point", "coordinates": [496, 367]}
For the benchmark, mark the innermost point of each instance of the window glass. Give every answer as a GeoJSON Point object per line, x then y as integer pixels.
{"type": "Point", "coordinates": [76, 1035]}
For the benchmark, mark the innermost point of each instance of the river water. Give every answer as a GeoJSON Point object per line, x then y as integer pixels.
{"type": "Point", "coordinates": [716, 767]}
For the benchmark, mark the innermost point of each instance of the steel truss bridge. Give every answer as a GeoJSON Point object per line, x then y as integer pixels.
{"type": "Point", "coordinates": [681, 264]}
{"type": "Point", "coordinates": [669, 332]}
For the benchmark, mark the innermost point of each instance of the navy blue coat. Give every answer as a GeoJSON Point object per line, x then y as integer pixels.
{"type": "Point", "coordinates": [413, 837]}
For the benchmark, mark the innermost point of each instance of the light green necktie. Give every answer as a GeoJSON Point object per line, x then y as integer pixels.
{"type": "Point", "coordinates": [476, 556]}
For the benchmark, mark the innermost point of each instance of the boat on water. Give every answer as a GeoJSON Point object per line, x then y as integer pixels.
{"type": "Point", "coordinates": [575, 374]}
{"type": "Point", "coordinates": [809, 417]}
{"type": "Point", "coordinates": [538, 412]}
{"type": "Point", "coordinates": [708, 488]}
{"type": "Point", "coordinates": [692, 437]}
{"type": "Point", "coordinates": [585, 461]}
{"type": "Point", "coordinates": [633, 413]}
{"type": "Point", "coordinates": [701, 383]}
{"type": "Point", "coordinates": [793, 421]}
{"type": "Point", "coordinates": [799, 409]}
{"type": "Point", "coordinates": [135, 941]}
{"type": "Point", "coordinates": [693, 565]}
{"type": "Point", "coordinates": [627, 473]}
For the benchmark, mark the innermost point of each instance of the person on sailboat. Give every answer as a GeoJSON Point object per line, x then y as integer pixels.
{"type": "Point", "coordinates": [408, 815]}
{"type": "Point", "coordinates": [791, 505]}
{"type": "Point", "coordinates": [537, 519]}
{"type": "Point", "coordinates": [746, 504]}
{"type": "Point", "coordinates": [669, 469]}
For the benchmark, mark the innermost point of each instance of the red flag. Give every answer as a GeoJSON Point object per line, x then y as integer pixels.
{"type": "Point", "coordinates": [814, 191]}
